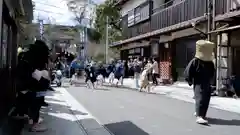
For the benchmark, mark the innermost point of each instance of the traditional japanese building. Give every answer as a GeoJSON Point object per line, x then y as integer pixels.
{"type": "Point", "coordinates": [169, 29]}
{"type": "Point", "coordinates": [14, 14]}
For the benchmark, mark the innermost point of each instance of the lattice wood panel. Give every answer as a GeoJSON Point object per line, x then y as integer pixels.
{"type": "Point", "coordinates": [165, 70]}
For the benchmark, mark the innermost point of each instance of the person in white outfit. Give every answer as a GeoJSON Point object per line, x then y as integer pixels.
{"type": "Point", "coordinates": [144, 82]}
{"type": "Point", "coordinates": [155, 71]}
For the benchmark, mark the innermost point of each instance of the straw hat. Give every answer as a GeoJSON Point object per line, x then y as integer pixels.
{"type": "Point", "coordinates": [204, 50]}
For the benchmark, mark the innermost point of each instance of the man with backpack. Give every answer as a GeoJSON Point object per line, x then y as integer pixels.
{"type": "Point", "coordinates": [137, 66]}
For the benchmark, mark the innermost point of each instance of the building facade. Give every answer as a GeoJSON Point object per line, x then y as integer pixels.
{"type": "Point", "coordinates": [13, 13]}
{"type": "Point", "coordinates": [164, 29]}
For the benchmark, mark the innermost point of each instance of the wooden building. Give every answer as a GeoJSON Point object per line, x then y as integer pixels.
{"type": "Point", "coordinates": [164, 29]}
{"type": "Point", "coordinates": [13, 13]}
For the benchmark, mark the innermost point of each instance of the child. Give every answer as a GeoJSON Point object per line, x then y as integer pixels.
{"type": "Point", "coordinates": [101, 74]}
{"type": "Point", "coordinates": [76, 76]}
{"type": "Point", "coordinates": [144, 82]}
{"type": "Point", "coordinates": [90, 75]}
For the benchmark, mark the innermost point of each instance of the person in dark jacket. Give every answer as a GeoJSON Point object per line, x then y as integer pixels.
{"type": "Point", "coordinates": [199, 73]}
{"type": "Point", "coordinates": [90, 75]}
{"type": "Point", "coordinates": [32, 79]}
{"type": "Point", "coordinates": [119, 72]}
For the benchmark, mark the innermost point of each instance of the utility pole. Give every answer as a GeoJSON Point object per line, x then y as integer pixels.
{"type": "Point", "coordinates": [209, 24]}
{"type": "Point", "coordinates": [106, 45]}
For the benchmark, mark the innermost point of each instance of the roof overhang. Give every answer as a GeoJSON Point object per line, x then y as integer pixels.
{"type": "Point", "coordinates": [22, 10]}
{"type": "Point", "coordinates": [121, 2]}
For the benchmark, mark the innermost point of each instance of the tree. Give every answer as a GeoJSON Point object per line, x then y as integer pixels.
{"type": "Point", "coordinates": [108, 9]}
{"type": "Point", "coordinates": [80, 9]}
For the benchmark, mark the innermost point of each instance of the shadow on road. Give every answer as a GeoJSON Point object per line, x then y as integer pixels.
{"type": "Point", "coordinates": [125, 128]}
{"type": "Point", "coordinates": [218, 121]}
{"type": "Point", "coordinates": [57, 118]}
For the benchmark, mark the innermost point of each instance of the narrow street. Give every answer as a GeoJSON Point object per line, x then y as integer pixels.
{"type": "Point", "coordinates": [127, 112]}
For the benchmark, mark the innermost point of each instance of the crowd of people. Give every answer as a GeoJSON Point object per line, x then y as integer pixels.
{"type": "Point", "coordinates": [33, 78]}
{"type": "Point", "coordinates": [142, 70]}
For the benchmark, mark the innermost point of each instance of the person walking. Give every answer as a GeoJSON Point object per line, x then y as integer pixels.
{"type": "Point", "coordinates": [118, 74]}
{"type": "Point", "coordinates": [110, 72]}
{"type": "Point", "coordinates": [199, 72]}
{"type": "Point", "coordinates": [137, 71]}
{"type": "Point", "coordinates": [155, 71]}
{"type": "Point", "coordinates": [149, 66]}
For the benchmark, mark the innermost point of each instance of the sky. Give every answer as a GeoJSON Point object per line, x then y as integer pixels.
{"type": "Point", "coordinates": [55, 11]}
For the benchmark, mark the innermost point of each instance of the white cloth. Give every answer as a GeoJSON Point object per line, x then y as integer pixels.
{"type": "Point", "coordinates": [155, 68]}
{"type": "Point", "coordinates": [37, 74]}
{"type": "Point", "coordinates": [45, 74]}
{"type": "Point", "coordinates": [100, 77]}
{"type": "Point", "coordinates": [111, 75]}
{"type": "Point", "coordinates": [59, 73]}
{"type": "Point", "coordinates": [143, 75]}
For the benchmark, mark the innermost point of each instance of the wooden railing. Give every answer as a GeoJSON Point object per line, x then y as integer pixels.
{"type": "Point", "coordinates": [226, 6]}
{"type": "Point", "coordinates": [170, 15]}
{"type": "Point", "coordinates": [177, 13]}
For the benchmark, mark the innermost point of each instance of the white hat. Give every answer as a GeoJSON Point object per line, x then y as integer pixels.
{"type": "Point", "coordinates": [204, 50]}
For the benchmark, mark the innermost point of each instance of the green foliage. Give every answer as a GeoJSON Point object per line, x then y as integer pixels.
{"type": "Point", "coordinates": [108, 9]}
{"type": "Point", "coordinates": [99, 57]}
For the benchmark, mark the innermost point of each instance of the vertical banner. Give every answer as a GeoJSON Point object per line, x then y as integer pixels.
{"type": "Point", "coordinates": [41, 29]}
{"type": "Point", "coordinates": [85, 41]}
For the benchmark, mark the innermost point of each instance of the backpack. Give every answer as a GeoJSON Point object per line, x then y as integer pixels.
{"type": "Point", "coordinates": [137, 68]}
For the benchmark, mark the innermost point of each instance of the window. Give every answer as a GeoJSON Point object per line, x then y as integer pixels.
{"type": "Point", "coordinates": [137, 14]}
{"type": "Point", "coordinates": [131, 17]}
{"type": "Point", "coordinates": [137, 50]}
{"type": "Point", "coordinates": [131, 51]}
{"type": "Point", "coordinates": [145, 12]}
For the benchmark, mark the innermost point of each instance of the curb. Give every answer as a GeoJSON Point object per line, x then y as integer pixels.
{"type": "Point", "coordinates": [87, 130]}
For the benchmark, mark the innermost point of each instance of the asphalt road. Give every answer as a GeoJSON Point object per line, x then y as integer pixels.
{"type": "Point", "coordinates": [127, 112]}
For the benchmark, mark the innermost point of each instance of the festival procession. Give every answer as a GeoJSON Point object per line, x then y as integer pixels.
{"type": "Point", "coordinates": [120, 67]}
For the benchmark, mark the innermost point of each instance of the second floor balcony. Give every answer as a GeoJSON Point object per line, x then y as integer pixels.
{"type": "Point", "coordinates": [226, 9]}
{"type": "Point", "coordinates": [166, 15]}
{"type": "Point", "coordinates": [175, 13]}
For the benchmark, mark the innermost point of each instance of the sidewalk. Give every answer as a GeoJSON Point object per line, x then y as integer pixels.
{"type": "Point", "coordinates": [65, 116]}
{"type": "Point", "coordinates": [182, 91]}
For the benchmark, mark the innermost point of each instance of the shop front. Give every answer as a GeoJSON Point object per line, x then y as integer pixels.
{"type": "Point", "coordinates": [184, 52]}
{"type": "Point", "coordinates": [135, 50]}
